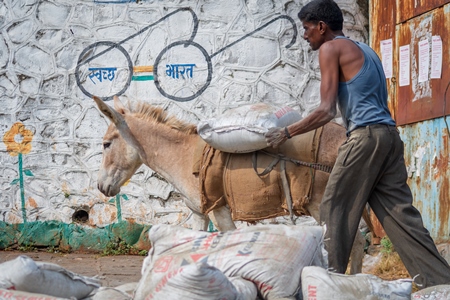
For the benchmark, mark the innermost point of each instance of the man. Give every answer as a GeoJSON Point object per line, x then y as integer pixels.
{"type": "Point", "coordinates": [370, 167]}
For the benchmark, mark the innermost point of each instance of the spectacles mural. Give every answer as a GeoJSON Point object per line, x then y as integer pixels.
{"type": "Point", "coordinates": [106, 69]}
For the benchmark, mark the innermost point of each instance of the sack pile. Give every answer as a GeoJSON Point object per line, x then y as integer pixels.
{"type": "Point", "coordinates": [251, 263]}
{"type": "Point", "coordinates": [262, 260]}
{"type": "Point", "coordinates": [319, 284]}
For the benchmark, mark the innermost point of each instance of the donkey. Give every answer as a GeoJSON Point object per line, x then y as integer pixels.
{"type": "Point", "coordinates": [147, 135]}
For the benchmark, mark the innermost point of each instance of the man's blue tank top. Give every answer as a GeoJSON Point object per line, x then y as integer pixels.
{"type": "Point", "coordinates": [363, 99]}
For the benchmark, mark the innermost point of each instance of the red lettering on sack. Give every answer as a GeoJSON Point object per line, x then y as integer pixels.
{"type": "Point", "coordinates": [164, 281]}
{"type": "Point", "coordinates": [163, 264]}
{"type": "Point", "coordinates": [209, 240]}
{"type": "Point", "coordinates": [6, 294]}
{"type": "Point", "coordinates": [312, 292]}
{"type": "Point", "coordinates": [283, 111]}
{"type": "Point", "coordinates": [197, 256]}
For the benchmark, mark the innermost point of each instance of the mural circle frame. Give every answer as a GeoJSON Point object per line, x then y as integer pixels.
{"type": "Point", "coordinates": [186, 44]}
{"type": "Point", "coordinates": [111, 45]}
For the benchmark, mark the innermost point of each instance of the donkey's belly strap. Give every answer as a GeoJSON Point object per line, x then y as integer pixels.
{"type": "Point", "coordinates": [277, 157]}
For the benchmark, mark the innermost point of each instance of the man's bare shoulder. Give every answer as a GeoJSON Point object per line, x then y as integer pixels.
{"type": "Point", "coordinates": [330, 47]}
{"type": "Point", "coordinates": [339, 45]}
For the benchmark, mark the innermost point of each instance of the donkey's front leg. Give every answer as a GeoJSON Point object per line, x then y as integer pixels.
{"type": "Point", "coordinates": [221, 217]}
{"type": "Point", "coordinates": [200, 221]}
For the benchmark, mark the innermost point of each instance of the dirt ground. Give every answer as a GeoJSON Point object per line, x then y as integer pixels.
{"type": "Point", "coordinates": [111, 270]}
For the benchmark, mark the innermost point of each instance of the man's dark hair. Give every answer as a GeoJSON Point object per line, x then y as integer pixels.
{"type": "Point", "coordinates": [326, 11]}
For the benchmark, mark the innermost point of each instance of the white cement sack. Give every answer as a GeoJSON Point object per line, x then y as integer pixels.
{"type": "Point", "coordinates": [270, 256]}
{"type": "Point", "coordinates": [438, 292]}
{"type": "Point", "coordinates": [246, 289]}
{"type": "Point", "coordinates": [128, 288]}
{"type": "Point", "coordinates": [20, 295]}
{"type": "Point", "coordinates": [242, 129]}
{"type": "Point", "coordinates": [319, 284]}
{"type": "Point", "coordinates": [24, 274]}
{"type": "Point", "coordinates": [196, 282]}
{"type": "Point", "coordinates": [108, 293]}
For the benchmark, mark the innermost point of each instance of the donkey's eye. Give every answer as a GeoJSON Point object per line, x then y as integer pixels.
{"type": "Point", "coordinates": [106, 145]}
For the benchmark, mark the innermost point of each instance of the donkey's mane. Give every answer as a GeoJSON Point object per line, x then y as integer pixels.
{"type": "Point", "coordinates": [156, 114]}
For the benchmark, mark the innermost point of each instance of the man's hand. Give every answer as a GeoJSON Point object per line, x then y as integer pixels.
{"type": "Point", "coordinates": [276, 136]}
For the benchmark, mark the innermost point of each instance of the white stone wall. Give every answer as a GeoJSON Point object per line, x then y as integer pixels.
{"type": "Point", "coordinates": [48, 49]}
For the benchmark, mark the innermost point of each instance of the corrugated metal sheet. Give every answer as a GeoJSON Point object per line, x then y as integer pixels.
{"type": "Point", "coordinates": [382, 19]}
{"type": "Point", "coordinates": [424, 100]}
{"type": "Point", "coordinates": [411, 8]}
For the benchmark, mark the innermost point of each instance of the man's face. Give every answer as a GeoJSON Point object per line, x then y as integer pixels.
{"type": "Point", "coordinates": [313, 34]}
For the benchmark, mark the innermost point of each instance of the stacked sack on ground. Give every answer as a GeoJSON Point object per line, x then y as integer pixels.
{"type": "Point", "coordinates": [25, 279]}
{"type": "Point", "coordinates": [263, 261]}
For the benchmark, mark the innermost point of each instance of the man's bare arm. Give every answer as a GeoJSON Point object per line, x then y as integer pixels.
{"type": "Point", "coordinates": [326, 111]}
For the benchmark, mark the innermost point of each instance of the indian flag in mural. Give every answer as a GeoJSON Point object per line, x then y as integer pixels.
{"type": "Point", "coordinates": [142, 73]}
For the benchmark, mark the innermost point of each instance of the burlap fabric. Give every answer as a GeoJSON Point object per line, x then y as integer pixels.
{"type": "Point", "coordinates": [229, 178]}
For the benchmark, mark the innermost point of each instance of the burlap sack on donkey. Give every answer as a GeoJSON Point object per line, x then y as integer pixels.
{"type": "Point", "coordinates": [230, 178]}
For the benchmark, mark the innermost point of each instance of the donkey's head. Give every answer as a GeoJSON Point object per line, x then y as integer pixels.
{"type": "Point", "coordinates": [121, 151]}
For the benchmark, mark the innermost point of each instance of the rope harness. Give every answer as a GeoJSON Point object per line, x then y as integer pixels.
{"type": "Point", "coordinates": [283, 159]}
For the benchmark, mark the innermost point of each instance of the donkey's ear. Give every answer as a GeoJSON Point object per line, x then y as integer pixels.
{"type": "Point", "coordinates": [119, 107]}
{"type": "Point", "coordinates": [108, 111]}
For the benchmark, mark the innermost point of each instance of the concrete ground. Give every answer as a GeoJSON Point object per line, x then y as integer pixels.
{"type": "Point", "coordinates": [111, 270]}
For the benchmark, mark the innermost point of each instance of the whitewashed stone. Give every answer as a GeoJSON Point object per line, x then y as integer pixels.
{"type": "Point", "coordinates": [34, 59]}
{"type": "Point", "coordinates": [53, 14]}
{"type": "Point", "coordinates": [21, 31]}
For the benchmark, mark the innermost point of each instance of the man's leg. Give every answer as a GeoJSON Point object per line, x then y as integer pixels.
{"type": "Point", "coordinates": [360, 161]}
{"type": "Point", "coordinates": [391, 202]}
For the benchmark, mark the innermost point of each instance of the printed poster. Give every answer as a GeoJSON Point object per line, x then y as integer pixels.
{"type": "Point", "coordinates": [404, 62]}
{"type": "Point", "coordinates": [436, 57]}
{"type": "Point", "coordinates": [386, 57]}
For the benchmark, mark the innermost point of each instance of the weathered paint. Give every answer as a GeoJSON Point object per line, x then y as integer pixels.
{"type": "Point", "coordinates": [424, 100]}
{"type": "Point", "coordinates": [412, 8]}
{"type": "Point", "coordinates": [427, 161]}
{"type": "Point", "coordinates": [382, 20]}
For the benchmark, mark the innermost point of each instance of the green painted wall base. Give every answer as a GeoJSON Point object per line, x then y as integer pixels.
{"type": "Point", "coordinates": [73, 237]}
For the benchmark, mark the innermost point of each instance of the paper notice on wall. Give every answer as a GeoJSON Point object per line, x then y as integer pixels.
{"type": "Point", "coordinates": [386, 57]}
{"type": "Point", "coordinates": [436, 57]}
{"type": "Point", "coordinates": [404, 65]}
{"type": "Point", "coordinates": [424, 60]}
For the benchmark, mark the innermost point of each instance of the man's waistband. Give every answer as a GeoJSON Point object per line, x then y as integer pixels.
{"type": "Point", "coordinates": [374, 126]}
